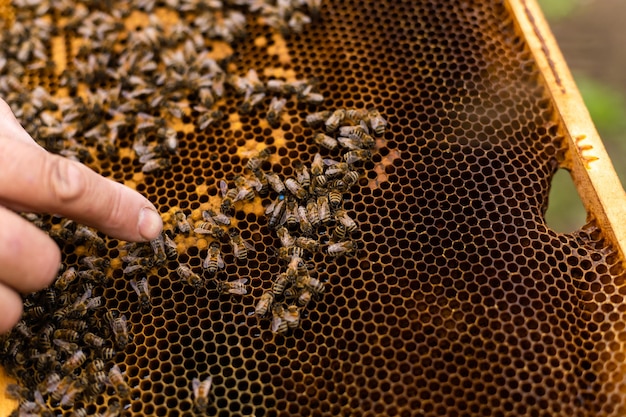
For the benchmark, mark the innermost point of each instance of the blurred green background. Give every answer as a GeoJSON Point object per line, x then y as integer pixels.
{"type": "Point", "coordinates": [592, 37]}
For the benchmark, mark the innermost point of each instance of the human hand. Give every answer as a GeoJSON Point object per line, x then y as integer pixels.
{"type": "Point", "coordinates": [33, 180]}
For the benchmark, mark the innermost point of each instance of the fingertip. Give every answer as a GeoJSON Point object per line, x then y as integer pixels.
{"type": "Point", "coordinates": [10, 308]}
{"type": "Point", "coordinates": [150, 223]}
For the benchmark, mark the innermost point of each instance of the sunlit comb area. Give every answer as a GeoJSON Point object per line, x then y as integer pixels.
{"type": "Point", "coordinates": [353, 196]}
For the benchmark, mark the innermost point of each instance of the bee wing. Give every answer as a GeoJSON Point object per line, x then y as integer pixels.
{"type": "Point", "coordinates": [220, 261]}
{"type": "Point", "coordinates": [195, 385]}
{"type": "Point", "coordinates": [270, 209]}
{"type": "Point", "coordinates": [144, 285]}
{"type": "Point", "coordinates": [202, 231]}
{"type": "Point", "coordinates": [248, 245]}
{"type": "Point", "coordinates": [276, 322]}
{"type": "Point", "coordinates": [223, 188]}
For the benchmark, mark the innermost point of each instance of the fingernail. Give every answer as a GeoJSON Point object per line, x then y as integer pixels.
{"type": "Point", "coordinates": [150, 223]}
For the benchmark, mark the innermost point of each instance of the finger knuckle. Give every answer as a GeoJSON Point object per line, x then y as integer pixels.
{"type": "Point", "coordinates": [68, 181]}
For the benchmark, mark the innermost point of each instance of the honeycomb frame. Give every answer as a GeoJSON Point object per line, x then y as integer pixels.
{"type": "Point", "coordinates": [541, 338]}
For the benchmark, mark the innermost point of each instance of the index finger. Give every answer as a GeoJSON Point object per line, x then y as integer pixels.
{"type": "Point", "coordinates": [38, 181]}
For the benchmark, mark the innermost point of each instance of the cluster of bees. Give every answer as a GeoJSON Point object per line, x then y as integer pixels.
{"type": "Point", "coordinates": [307, 210]}
{"type": "Point", "coordinates": [63, 345]}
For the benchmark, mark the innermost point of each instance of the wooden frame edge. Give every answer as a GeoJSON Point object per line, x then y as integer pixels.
{"type": "Point", "coordinates": [592, 170]}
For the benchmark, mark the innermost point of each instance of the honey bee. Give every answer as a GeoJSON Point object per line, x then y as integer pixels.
{"type": "Point", "coordinates": [312, 213]}
{"type": "Point", "coordinates": [107, 353]}
{"type": "Point", "coordinates": [22, 328]}
{"type": "Point", "coordinates": [171, 251]}
{"type": "Point", "coordinates": [86, 303]}
{"type": "Point", "coordinates": [74, 361]}
{"type": "Point", "coordinates": [325, 141]}
{"type": "Point", "coordinates": [278, 324]}
{"type": "Point", "coordinates": [275, 182]}
{"type": "Point", "coordinates": [356, 115]}
{"type": "Point", "coordinates": [201, 391]}
{"type": "Point", "coordinates": [291, 214]}
{"type": "Point", "coordinates": [155, 165]}
{"type": "Point", "coordinates": [263, 184]}
{"type": "Point", "coordinates": [192, 278]}
{"type": "Point", "coordinates": [219, 218]}
{"type": "Point", "coordinates": [140, 266]}
{"type": "Point", "coordinates": [292, 316]}
{"type": "Point", "coordinates": [206, 97]}
{"type": "Point", "coordinates": [335, 198]}
{"type": "Point", "coordinates": [240, 246]}
{"type": "Point", "coordinates": [288, 252]}
{"type": "Point", "coordinates": [119, 327]}
{"type": "Point", "coordinates": [359, 133]}
{"type": "Point", "coordinates": [74, 390]}
{"type": "Point", "coordinates": [334, 120]}
{"type": "Point", "coordinates": [309, 244]}
{"type": "Point", "coordinates": [118, 382]}
{"type": "Point", "coordinates": [295, 267]}
{"type": "Point", "coordinates": [57, 387]}
{"type": "Point", "coordinates": [312, 284]}
{"type": "Point", "coordinates": [318, 118]}
{"type": "Point", "coordinates": [350, 143]}
{"type": "Point", "coordinates": [213, 260]}
{"type": "Point", "coordinates": [158, 248]}
{"type": "Point", "coordinates": [377, 122]}
{"type": "Point", "coordinates": [87, 236]}
{"type": "Point", "coordinates": [228, 197]}
{"type": "Point", "coordinates": [353, 157]}
{"type": "Point", "coordinates": [285, 238]}
{"type": "Point", "coordinates": [209, 228]}
{"type": "Point", "coordinates": [208, 118]}
{"type": "Point", "coordinates": [68, 335]}
{"type": "Point", "coordinates": [17, 392]}
{"type": "Point", "coordinates": [310, 97]}
{"type": "Point", "coordinates": [245, 189]}
{"type": "Point", "coordinates": [303, 221]}
{"type": "Point", "coordinates": [348, 224]}
{"type": "Point", "coordinates": [143, 293]}
{"type": "Point", "coordinates": [323, 209]}
{"type": "Point", "coordinates": [250, 102]}
{"type": "Point", "coordinates": [79, 412]}
{"type": "Point", "coordinates": [295, 188]}
{"type": "Point", "coordinates": [280, 283]}
{"type": "Point", "coordinates": [95, 366]}
{"type": "Point", "coordinates": [304, 298]}
{"type": "Point", "coordinates": [297, 21]}
{"type": "Point", "coordinates": [233, 287]}
{"type": "Point", "coordinates": [303, 176]}
{"type": "Point", "coordinates": [264, 303]}
{"type": "Point", "coordinates": [77, 325]}
{"type": "Point", "coordinates": [256, 161]}
{"type": "Point", "coordinates": [182, 224]}
{"type": "Point", "coordinates": [93, 340]}
{"type": "Point", "coordinates": [65, 279]}
{"type": "Point", "coordinates": [274, 111]}
{"type": "Point", "coordinates": [350, 178]}
{"type": "Point", "coordinates": [317, 166]}
{"type": "Point", "coordinates": [341, 248]}
{"type": "Point", "coordinates": [276, 212]}
{"type": "Point", "coordinates": [94, 262]}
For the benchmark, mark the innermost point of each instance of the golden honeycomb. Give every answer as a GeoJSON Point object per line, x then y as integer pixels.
{"type": "Point", "coordinates": [459, 300]}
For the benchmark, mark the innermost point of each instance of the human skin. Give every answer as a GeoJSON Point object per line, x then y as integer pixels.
{"type": "Point", "coordinates": [33, 180]}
